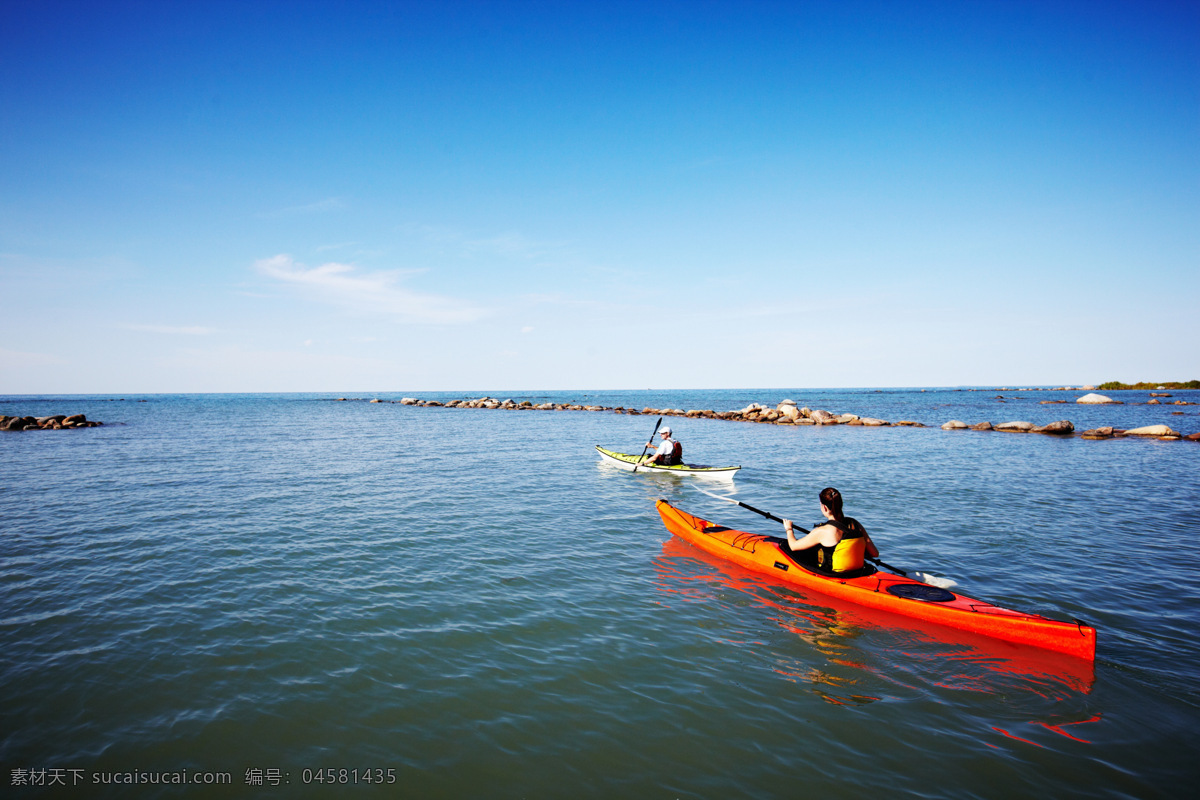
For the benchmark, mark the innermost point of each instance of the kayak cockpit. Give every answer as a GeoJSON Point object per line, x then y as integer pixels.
{"type": "Point", "coordinates": [798, 560]}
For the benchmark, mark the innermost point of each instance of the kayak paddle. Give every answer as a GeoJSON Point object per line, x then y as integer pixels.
{"type": "Point", "coordinates": [647, 447]}
{"type": "Point", "coordinates": [885, 565]}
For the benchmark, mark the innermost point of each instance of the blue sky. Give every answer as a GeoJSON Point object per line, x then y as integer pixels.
{"type": "Point", "coordinates": [366, 196]}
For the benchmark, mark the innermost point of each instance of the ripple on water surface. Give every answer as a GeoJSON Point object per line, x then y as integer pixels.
{"type": "Point", "coordinates": [470, 598]}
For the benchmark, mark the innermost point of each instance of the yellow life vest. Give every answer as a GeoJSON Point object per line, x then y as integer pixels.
{"type": "Point", "coordinates": [849, 553]}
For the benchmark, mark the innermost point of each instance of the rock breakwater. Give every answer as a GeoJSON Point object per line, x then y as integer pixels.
{"type": "Point", "coordinates": [56, 422]}
{"type": "Point", "coordinates": [789, 412]}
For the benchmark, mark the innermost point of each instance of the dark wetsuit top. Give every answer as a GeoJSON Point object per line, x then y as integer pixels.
{"type": "Point", "coordinates": [821, 557]}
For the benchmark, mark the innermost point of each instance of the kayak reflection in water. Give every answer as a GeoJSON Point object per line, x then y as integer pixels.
{"type": "Point", "coordinates": [669, 452]}
{"type": "Point", "coordinates": [839, 545]}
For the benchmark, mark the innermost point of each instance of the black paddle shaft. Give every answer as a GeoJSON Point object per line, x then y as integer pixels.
{"type": "Point", "coordinates": [749, 507]}
{"type": "Point", "coordinates": [647, 447]}
{"type": "Point", "coordinates": [768, 516]}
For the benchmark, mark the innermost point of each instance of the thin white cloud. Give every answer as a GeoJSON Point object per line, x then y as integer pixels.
{"type": "Point", "coordinates": [508, 245]}
{"type": "Point", "coordinates": [13, 359]}
{"type": "Point", "coordinates": [328, 204]}
{"type": "Point", "coordinates": [19, 269]}
{"type": "Point", "coordinates": [344, 285]}
{"type": "Point", "coordinates": [174, 330]}
{"type": "Point", "coordinates": [512, 245]}
{"type": "Point", "coordinates": [340, 245]}
{"type": "Point", "coordinates": [441, 234]}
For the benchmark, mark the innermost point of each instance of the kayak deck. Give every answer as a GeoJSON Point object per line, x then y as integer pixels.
{"type": "Point", "coordinates": [628, 462]}
{"type": "Point", "coordinates": [882, 590]}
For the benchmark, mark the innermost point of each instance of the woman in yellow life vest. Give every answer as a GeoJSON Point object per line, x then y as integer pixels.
{"type": "Point", "coordinates": [839, 544]}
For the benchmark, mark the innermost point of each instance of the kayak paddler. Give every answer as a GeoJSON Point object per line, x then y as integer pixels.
{"type": "Point", "coordinates": [669, 452]}
{"type": "Point", "coordinates": [839, 543]}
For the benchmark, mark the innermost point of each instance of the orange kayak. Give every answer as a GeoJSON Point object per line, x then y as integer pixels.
{"type": "Point", "coordinates": [883, 590]}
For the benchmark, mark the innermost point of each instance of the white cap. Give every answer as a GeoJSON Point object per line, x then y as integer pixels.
{"type": "Point", "coordinates": [664, 432]}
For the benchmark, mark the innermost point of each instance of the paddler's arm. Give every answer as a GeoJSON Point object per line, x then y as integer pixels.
{"type": "Point", "coordinates": [811, 539]}
{"type": "Point", "coordinates": [654, 457]}
{"type": "Point", "coordinates": [872, 550]}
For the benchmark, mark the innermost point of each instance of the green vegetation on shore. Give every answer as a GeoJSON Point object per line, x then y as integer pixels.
{"type": "Point", "coordinates": [1151, 385]}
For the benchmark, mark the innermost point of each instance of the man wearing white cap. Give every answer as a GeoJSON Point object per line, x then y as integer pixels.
{"type": "Point", "coordinates": [669, 452]}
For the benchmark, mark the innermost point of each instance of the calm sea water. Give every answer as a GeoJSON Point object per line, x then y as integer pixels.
{"type": "Point", "coordinates": [276, 585]}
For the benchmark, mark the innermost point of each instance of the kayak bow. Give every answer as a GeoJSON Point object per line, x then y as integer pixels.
{"type": "Point", "coordinates": [629, 461]}
{"type": "Point", "coordinates": [884, 591]}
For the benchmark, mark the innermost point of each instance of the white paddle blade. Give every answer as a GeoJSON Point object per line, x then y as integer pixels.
{"type": "Point", "coordinates": [934, 580]}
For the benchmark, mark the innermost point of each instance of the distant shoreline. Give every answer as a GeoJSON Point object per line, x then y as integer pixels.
{"type": "Point", "coordinates": [1116, 386]}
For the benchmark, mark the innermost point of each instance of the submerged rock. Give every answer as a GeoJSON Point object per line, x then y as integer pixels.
{"type": "Point", "coordinates": [1014, 427]}
{"type": "Point", "coordinates": [1096, 399]}
{"type": "Point", "coordinates": [982, 426]}
{"type": "Point", "coordinates": [954, 425]}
